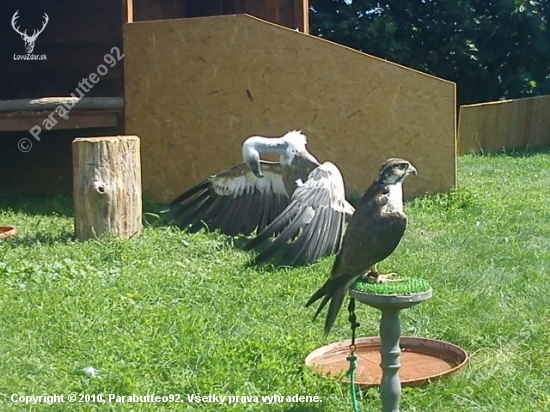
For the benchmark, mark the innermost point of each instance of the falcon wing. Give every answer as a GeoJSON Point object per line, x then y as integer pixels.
{"type": "Point", "coordinates": [233, 202]}
{"type": "Point", "coordinates": [371, 237]}
{"type": "Point", "coordinates": [312, 225]}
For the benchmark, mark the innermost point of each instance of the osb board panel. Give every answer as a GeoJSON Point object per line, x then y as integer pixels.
{"type": "Point", "coordinates": [504, 125]}
{"type": "Point", "coordinates": [196, 88]}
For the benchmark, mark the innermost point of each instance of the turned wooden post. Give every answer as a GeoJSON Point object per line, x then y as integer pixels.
{"type": "Point", "coordinates": [107, 186]}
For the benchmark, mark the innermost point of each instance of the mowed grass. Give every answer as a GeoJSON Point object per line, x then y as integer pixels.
{"type": "Point", "coordinates": [176, 313]}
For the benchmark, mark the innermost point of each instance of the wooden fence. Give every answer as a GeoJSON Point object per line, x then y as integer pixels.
{"type": "Point", "coordinates": [505, 124]}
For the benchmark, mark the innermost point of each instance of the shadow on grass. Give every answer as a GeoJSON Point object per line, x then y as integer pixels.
{"type": "Point", "coordinates": [525, 151]}
{"type": "Point", "coordinates": [62, 205]}
{"type": "Point", "coordinates": [39, 238]}
{"type": "Point", "coordinates": [38, 205]}
{"type": "Point", "coordinates": [48, 206]}
{"type": "Point", "coordinates": [305, 408]}
{"type": "Point", "coordinates": [268, 267]}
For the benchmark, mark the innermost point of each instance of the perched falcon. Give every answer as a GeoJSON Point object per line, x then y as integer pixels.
{"type": "Point", "coordinates": [297, 205]}
{"type": "Point", "coordinates": [373, 233]}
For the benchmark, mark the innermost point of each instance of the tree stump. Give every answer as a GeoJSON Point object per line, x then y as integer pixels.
{"type": "Point", "coordinates": [107, 186]}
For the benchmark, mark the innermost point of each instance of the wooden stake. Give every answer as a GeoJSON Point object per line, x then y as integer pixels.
{"type": "Point", "coordinates": [107, 186]}
{"type": "Point", "coordinates": [130, 11]}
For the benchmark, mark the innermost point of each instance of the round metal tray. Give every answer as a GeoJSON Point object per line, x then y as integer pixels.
{"type": "Point", "coordinates": [6, 231]}
{"type": "Point", "coordinates": [422, 360]}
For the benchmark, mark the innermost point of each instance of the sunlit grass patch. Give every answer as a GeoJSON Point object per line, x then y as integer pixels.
{"type": "Point", "coordinates": [170, 312]}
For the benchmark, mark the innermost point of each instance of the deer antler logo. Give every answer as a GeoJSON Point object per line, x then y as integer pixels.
{"type": "Point", "coordinates": [29, 40]}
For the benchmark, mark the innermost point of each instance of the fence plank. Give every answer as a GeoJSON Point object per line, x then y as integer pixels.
{"type": "Point", "coordinates": [506, 124]}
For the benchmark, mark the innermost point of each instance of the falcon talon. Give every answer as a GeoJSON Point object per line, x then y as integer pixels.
{"type": "Point", "coordinates": [378, 278]}
{"type": "Point", "coordinates": [369, 276]}
{"type": "Point", "coordinates": [388, 278]}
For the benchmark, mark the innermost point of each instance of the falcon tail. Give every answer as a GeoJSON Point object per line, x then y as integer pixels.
{"type": "Point", "coordinates": [334, 290]}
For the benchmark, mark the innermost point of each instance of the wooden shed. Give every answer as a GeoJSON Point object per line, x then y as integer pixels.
{"type": "Point", "coordinates": [76, 39]}
{"type": "Point", "coordinates": [71, 46]}
{"type": "Point", "coordinates": [186, 75]}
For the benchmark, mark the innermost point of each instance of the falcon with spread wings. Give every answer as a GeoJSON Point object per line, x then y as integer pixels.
{"type": "Point", "coordinates": [373, 233]}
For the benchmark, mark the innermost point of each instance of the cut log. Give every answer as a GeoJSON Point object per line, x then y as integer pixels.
{"type": "Point", "coordinates": [107, 186]}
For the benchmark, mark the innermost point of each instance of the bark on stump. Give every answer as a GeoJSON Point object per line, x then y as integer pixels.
{"type": "Point", "coordinates": [107, 186]}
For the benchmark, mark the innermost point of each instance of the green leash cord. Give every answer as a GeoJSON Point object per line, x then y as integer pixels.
{"type": "Point", "coordinates": [352, 358]}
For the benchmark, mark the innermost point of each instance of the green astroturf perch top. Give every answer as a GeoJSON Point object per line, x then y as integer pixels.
{"type": "Point", "coordinates": [408, 286]}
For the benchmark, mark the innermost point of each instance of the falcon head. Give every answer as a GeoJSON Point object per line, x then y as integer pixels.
{"type": "Point", "coordinates": [394, 171]}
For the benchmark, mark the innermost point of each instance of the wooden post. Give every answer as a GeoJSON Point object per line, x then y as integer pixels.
{"type": "Point", "coordinates": [107, 186]}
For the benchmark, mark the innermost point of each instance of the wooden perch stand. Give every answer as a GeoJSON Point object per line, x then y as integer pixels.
{"type": "Point", "coordinates": [107, 186]}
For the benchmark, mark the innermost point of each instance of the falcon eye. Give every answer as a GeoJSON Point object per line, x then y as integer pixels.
{"type": "Point", "coordinates": [402, 166]}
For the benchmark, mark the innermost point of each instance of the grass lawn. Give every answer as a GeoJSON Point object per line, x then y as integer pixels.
{"type": "Point", "coordinates": [177, 313]}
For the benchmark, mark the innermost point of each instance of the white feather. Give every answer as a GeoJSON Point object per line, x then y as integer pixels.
{"type": "Point", "coordinates": [246, 184]}
{"type": "Point", "coordinates": [395, 198]}
{"type": "Point", "coordinates": [296, 139]}
{"type": "Point", "coordinates": [287, 146]}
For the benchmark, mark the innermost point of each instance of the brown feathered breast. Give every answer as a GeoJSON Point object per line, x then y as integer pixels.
{"type": "Point", "coordinates": [372, 234]}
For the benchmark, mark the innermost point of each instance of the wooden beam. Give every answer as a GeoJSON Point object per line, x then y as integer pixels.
{"type": "Point", "coordinates": [129, 11]}
{"type": "Point", "coordinates": [304, 16]}
{"type": "Point", "coordinates": [76, 120]}
{"type": "Point", "coordinates": [52, 103]}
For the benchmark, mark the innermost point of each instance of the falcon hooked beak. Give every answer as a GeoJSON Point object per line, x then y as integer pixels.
{"type": "Point", "coordinates": [412, 170]}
